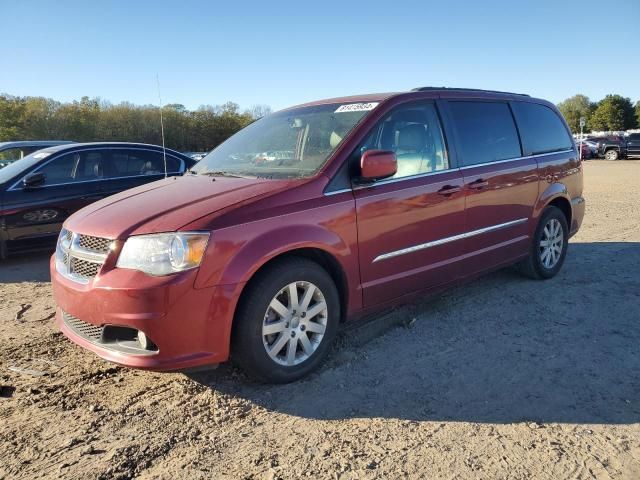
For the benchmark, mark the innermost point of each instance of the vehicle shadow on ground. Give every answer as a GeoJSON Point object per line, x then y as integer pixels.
{"type": "Point", "coordinates": [33, 267]}
{"type": "Point", "coordinates": [501, 349]}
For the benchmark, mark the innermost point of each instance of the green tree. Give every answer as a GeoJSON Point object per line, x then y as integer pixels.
{"type": "Point", "coordinates": [38, 118]}
{"type": "Point", "coordinates": [575, 107]}
{"type": "Point", "coordinates": [11, 118]}
{"type": "Point", "coordinates": [614, 112]}
{"type": "Point", "coordinates": [91, 119]}
{"type": "Point", "coordinates": [638, 113]}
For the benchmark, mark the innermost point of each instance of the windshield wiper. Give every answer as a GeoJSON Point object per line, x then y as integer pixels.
{"type": "Point", "coordinates": [221, 174]}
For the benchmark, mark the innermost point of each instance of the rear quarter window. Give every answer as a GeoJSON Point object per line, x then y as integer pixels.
{"type": "Point", "coordinates": [133, 163]}
{"type": "Point", "coordinates": [486, 131]}
{"type": "Point", "coordinates": [541, 129]}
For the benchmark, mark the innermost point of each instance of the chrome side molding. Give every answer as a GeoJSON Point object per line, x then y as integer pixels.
{"type": "Point", "coordinates": [442, 241]}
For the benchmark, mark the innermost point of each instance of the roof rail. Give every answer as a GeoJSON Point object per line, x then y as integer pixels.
{"type": "Point", "coordinates": [426, 89]}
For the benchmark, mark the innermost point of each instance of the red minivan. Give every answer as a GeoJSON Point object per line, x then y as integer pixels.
{"type": "Point", "coordinates": [315, 215]}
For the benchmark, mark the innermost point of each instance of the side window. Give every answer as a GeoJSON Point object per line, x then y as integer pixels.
{"type": "Point", "coordinates": [91, 166]}
{"type": "Point", "coordinates": [118, 161]}
{"type": "Point", "coordinates": [413, 132]}
{"type": "Point", "coordinates": [147, 162]}
{"type": "Point", "coordinates": [29, 150]}
{"type": "Point", "coordinates": [131, 163]}
{"type": "Point", "coordinates": [12, 154]}
{"type": "Point", "coordinates": [541, 129]}
{"type": "Point", "coordinates": [486, 131]}
{"type": "Point", "coordinates": [17, 153]}
{"type": "Point", "coordinates": [173, 164]}
{"type": "Point", "coordinates": [60, 170]}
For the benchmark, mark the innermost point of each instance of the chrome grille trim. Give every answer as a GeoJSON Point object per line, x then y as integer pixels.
{"type": "Point", "coordinates": [95, 244]}
{"type": "Point", "coordinates": [84, 268]}
{"type": "Point", "coordinates": [80, 257]}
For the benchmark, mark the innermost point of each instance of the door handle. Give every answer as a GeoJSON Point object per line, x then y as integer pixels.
{"type": "Point", "coordinates": [478, 184]}
{"type": "Point", "coordinates": [449, 190]}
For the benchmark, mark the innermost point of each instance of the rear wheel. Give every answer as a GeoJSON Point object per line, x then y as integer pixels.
{"type": "Point", "coordinates": [549, 246]}
{"type": "Point", "coordinates": [286, 321]}
{"type": "Point", "coordinates": [611, 154]}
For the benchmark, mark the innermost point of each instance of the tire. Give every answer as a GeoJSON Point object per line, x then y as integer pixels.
{"type": "Point", "coordinates": [545, 261]}
{"type": "Point", "coordinates": [307, 331]}
{"type": "Point", "coordinates": [611, 155]}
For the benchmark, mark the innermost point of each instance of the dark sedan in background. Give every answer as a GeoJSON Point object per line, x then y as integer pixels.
{"type": "Point", "coordinates": [12, 151]}
{"type": "Point", "coordinates": [39, 191]}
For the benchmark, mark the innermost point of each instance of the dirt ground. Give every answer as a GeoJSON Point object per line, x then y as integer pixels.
{"type": "Point", "coordinates": [502, 378]}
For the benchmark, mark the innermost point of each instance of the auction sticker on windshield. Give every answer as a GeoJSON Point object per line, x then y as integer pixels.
{"type": "Point", "coordinates": [357, 107]}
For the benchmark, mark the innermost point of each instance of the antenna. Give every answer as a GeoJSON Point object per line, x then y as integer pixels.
{"type": "Point", "coordinates": [164, 150]}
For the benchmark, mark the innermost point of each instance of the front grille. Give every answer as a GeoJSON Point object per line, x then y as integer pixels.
{"type": "Point", "coordinates": [86, 330]}
{"type": "Point", "coordinates": [83, 268]}
{"type": "Point", "coordinates": [80, 257]}
{"type": "Point", "coordinates": [95, 244]}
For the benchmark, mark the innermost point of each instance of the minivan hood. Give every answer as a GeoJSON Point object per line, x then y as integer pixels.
{"type": "Point", "coordinates": [166, 205]}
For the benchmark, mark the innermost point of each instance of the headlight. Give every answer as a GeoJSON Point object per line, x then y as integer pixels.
{"type": "Point", "coordinates": [163, 253]}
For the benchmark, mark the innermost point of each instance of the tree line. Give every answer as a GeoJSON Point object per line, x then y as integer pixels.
{"type": "Point", "coordinates": [612, 113]}
{"type": "Point", "coordinates": [93, 119]}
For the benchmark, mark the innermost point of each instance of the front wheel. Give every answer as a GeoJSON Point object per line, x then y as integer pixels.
{"type": "Point", "coordinates": [286, 321]}
{"type": "Point", "coordinates": [549, 246]}
{"type": "Point", "coordinates": [611, 155]}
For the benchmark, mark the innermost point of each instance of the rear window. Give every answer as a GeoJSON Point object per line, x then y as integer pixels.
{"type": "Point", "coordinates": [541, 129]}
{"type": "Point", "coordinates": [486, 131]}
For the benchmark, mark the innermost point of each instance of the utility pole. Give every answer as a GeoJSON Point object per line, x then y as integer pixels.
{"type": "Point", "coordinates": [583, 122]}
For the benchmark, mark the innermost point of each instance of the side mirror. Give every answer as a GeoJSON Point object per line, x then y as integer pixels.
{"type": "Point", "coordinates": [378, 164]}
{"type": "Point", "coordinates": [33, 180]}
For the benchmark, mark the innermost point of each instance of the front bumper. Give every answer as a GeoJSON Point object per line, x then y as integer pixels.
{"type": "Point", "coordinates": [190, 327]}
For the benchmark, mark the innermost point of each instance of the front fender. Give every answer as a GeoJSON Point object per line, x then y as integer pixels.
{"type": "Point", "coordinates": [269, 245]}
{"type": "Point", "coordinates": [237, 254]}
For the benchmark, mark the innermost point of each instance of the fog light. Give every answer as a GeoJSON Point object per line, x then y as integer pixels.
{"type": "Point", "coordinates": [142, 338]}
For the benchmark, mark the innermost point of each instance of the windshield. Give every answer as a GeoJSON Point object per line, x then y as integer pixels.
{"type": "Point", "coordinates": [294, 143]}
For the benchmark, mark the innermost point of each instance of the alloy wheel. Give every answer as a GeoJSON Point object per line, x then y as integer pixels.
{"type": "Point", "coordinates": [40, 215]}
{"type": "Point", "coordinates": [551, 244]}
{"type": "Point", "coordinates": [294, 323]}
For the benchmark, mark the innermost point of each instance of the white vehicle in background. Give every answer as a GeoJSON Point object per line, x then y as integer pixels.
{"type": "Point", "coordinates": [196, 155]}
{"type": "Point", "coordinates": [273, 156]}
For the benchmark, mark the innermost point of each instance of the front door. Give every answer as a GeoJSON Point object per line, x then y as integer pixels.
{"type": "Point", "coordinates": [34, 215]}
{"type": "Point", "coordinates": [409, 226]}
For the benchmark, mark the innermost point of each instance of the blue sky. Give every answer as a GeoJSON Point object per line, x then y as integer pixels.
{"type": "Point", "coordinates": [283, 53]}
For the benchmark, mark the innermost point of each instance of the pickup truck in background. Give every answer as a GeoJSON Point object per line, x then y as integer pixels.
{"type": "Point", "coordinates": [633, 145]}
{"type": "Point", "coordinates": [617, 147]}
